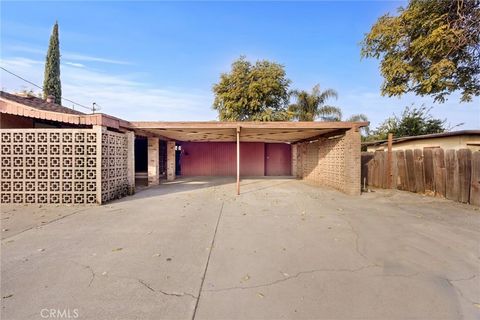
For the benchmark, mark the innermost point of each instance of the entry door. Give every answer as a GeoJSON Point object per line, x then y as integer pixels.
{"type": "Point", "coordinates": [278, 159]}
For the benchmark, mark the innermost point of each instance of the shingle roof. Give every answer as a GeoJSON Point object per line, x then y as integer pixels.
{"type": "Point", "coordinates": [425, 136]}
{"type": "Point", "coordinates": [38, 103]}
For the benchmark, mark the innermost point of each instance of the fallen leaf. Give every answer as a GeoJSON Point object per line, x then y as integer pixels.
{"type": "Point", "coordinates": [246, 278]}
{"type": "Point", "coordinates": [117, 249]}
{"type": "Point", "coordinates": [156, 255]}
{"type": "Point", "coordinates": [169, 259]}
{"type": "Point", "coordinates": [260, 295]}
{"type": "Point", "coordinates": [8, 296]}
{"type": "Point", "coordinates": [40, 250]}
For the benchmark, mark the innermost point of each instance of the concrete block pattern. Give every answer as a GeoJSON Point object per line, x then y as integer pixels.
{"type": "Point", "coordinates": [332, 162]}
{"type": "Point", "coordinates": [170, 160]}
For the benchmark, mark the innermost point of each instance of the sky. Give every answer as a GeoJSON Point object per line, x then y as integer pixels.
{"type": "Point", "coordinates": [158, 60]}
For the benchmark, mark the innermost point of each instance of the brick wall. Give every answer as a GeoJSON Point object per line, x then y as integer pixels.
{"type": "Point", "coordinates": [332, 162]}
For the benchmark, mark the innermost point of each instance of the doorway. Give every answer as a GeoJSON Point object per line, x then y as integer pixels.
{"type": "Point", "coordinates": [278, 159]}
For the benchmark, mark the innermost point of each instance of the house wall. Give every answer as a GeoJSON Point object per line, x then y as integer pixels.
{"type": "Point", "coordinates": [332, 162]}
{"type": "Point", "coordinates": [471, 142]}
{"type": "Point", "coordinates": [69, 166]}
{"type": "Point", "coordinates": [220, 158]}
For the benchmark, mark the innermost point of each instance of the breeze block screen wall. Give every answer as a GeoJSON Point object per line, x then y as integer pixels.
{"type": "Point", "coordinates": [63, 166]}
{"type": "Point", "coordinates": [332, 162]}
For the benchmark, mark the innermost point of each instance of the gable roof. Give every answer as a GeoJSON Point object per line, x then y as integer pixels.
{"type": "Point", "coordinates": [38, 103]}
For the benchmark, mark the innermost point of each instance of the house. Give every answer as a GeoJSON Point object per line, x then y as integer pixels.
{"type": "Point", "coordinates": [464, 139]}
{"type": "Point", "coordinates": [53, 154]}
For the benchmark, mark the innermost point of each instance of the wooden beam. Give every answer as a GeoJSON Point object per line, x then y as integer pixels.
{"type": "Point", "coordinates": [246, 125]}
{"type": "Point", "coordinates": [325, 134]}
{"type": "Point", "coordinates": [238, 160]}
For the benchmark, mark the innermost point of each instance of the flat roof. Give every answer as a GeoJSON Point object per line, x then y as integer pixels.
{"type": "Point", "coordinates": [273, 131]}
{"type": "Point", "coordinates": [202, 131]}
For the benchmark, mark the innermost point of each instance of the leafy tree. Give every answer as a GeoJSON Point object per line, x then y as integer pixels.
{"type": "Point", "coordinates": [431, 48]}
{"type": "Point", "coordinates": [252, 92]}
{"type": "Point", "coordinates": [310, 106]}
{"type": "Point", "coordinates": [413, 121]}
{"type": "Point", "coordinates": [51, 83]}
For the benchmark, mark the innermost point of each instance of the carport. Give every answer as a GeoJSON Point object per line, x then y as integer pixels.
{"type": "Point", "coordinates": [324, 153]}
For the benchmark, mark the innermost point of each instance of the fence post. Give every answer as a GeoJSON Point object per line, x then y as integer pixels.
{"type": "Point", "coordinates": [389, 161]}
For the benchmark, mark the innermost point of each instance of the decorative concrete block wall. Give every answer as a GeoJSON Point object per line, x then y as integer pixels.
{"type": "Point", "coordinates": [332, 162]}
{"type": "Point", "coordinates": [116, 157]}
{"type": "Point", "coordinates": [61, 166]}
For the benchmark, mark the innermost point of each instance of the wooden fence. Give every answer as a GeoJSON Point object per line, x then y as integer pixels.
{"type": "Point", "coordinates": [451, 174]}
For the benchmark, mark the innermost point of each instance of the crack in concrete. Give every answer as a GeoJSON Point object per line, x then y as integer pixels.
{"type": "Point", "coordinates": [212, 245]}
{"type": "Point", "coordinates": [174, 294]}
{"type": "Point", "coordinates": [463, 279]}
{"type": "Point", "coordinates": [450, 282]}
{"type": "Point", "coordinates": [89, 268]}
{"type": "Point", "coordinates": [298, 274]}
{"type": "Point", "coordinates": [146, 285]}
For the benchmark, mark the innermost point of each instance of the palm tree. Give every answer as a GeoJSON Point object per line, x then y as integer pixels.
{"type": "Point", "coordinates": [310, 106]}
{"type": "Point", "coordinates": [360, 118]}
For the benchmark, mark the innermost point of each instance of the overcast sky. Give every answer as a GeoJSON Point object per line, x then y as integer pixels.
{"type": "Point", "coordinates": [158, 61]}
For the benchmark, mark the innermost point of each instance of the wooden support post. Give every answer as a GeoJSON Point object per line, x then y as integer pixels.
{"type": "Point", "coordinates": [389, 161]}
{"type": "Point", "coordinates": [238, 160]}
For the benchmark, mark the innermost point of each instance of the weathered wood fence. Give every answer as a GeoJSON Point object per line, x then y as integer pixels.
{"type": "Point", "coordinates": [451, 174]}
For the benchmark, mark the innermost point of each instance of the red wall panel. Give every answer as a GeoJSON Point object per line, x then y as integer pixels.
{"type": "Point", "coordinates": [278, 159]}
{"type": "Point", "coordinates": [220, 159]}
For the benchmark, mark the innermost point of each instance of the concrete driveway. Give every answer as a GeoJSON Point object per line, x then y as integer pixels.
{"type": "Point", "coordinates": [281, 250]}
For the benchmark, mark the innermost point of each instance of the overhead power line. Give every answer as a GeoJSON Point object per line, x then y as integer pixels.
{"type": "Point", "coordinates": [41, 88]}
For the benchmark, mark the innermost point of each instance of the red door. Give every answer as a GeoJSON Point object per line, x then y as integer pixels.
{"type": "Point", "coordinates": [278, 159]}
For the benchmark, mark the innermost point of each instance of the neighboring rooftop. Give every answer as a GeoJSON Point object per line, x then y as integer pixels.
{"type": "Point", "coordinates": [38, 103]}
{"type": "Point", "coordinates": [423, 137]}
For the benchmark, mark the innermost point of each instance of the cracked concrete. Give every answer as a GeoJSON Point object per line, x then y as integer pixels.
{"type": "Point", "coordinates": [191, 249]}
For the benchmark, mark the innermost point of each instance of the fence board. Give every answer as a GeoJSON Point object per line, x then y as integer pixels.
{"type": "Point", "coordinates": [428, 168]}
{"type": "Point", "coordinates": [409, 165]}
{"type": "Point", "coordinates": [451, 165]}
{"type": "Point", "coordinates": [365, 161]}
{"type": "Point", "coordinates": [418, 171]}
{"type": "Point", "coordinates": [382, 169]}
{"type": "Point", "coordinates": [394, 170]}
{"type": "Point", "coordinates": [439, 172]}
{"type": "Point", "coordinates": [370, 173]}
{"type": "Point", "coordinates": [475, 180]}
{"type": "Point", "coordinates": [402, 173]}
{"type": "Point", "coordinates": [464, 157]}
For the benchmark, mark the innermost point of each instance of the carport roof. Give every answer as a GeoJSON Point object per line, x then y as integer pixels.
{"type": "Point", "coordinates": [212, 131]}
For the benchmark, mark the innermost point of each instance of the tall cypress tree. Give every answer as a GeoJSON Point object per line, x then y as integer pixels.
{"type": "Point", "coordinates": [51, 82]}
